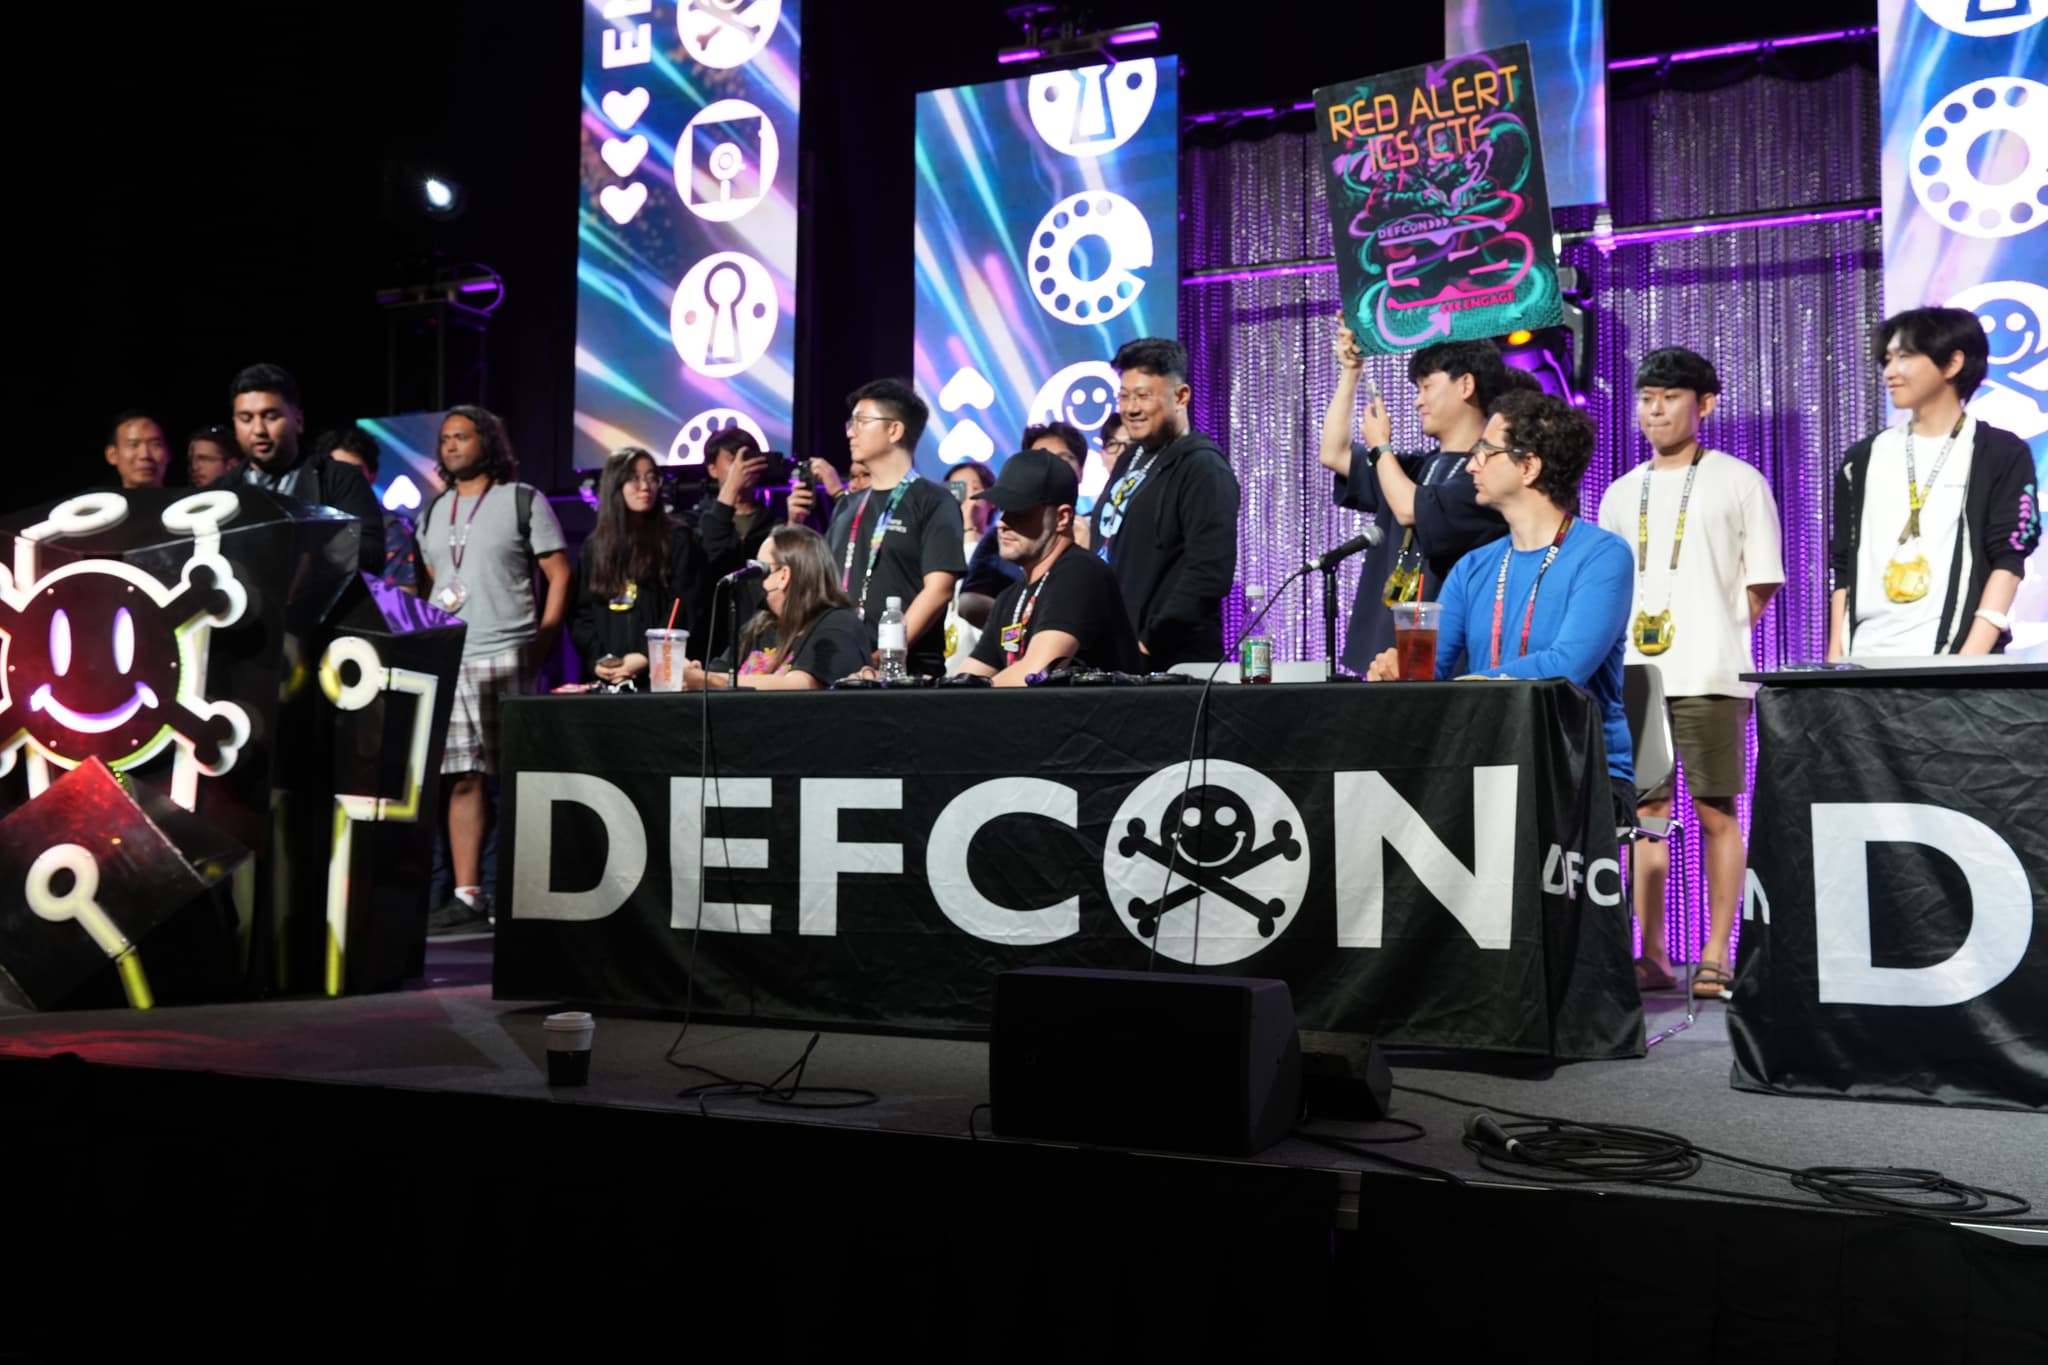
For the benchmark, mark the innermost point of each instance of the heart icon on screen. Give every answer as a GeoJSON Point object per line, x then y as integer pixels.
{"type": "Point", "coordinates": [624, 107]}
{"type": "Point", "coordinates": [623, 201]}
{"type": "Point", "coordinates": [966, 389]}
{"type": "Point", "coordinates": [624, 156]}
{"type": "Point", "coordinates": [402, 496]}
{"type": "Point", "coordinates": [966, 441]}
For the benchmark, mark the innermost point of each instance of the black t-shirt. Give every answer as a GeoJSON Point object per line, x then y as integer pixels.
{"type": "Point", "coordinates": [834, 646]}
{"type": "Point", "coordinates": [923, 536]}
{"type": "Point", "coordinates": [1078, 595]}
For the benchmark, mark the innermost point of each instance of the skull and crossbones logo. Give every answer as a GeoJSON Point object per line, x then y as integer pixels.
{"type": "Point", "coordinates": [98, 659]}
{"type": "Point", "coordinates": [1185, 837]}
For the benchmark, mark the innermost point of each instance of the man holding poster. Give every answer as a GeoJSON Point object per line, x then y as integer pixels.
{"type": "Point", "coordinates": [1426, 497]}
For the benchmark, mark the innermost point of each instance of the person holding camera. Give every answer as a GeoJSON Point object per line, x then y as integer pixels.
{"type": "Point", "coordinates": [733, 523]}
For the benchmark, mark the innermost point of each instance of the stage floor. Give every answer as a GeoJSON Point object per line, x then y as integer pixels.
{"type": "Point", "coordinates": [448, 1035]}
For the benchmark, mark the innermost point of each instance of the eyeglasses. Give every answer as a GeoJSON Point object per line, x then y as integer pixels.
{"type": "Point", "coordinates": [1115, 446]}
{"type": "Point", "coordinates": [645, 480]}
{"type": "Point", "coordinates": [858, 418]}
{"type": "Point", "coordinates": [1482, 451]}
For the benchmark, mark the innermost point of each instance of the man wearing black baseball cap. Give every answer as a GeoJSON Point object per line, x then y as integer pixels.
{"type": "Point", "coordinates": [1067, 608]}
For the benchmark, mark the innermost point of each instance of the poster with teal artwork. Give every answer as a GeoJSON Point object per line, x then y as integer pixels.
{"type": "Point", "coordinates": [1438, 206]}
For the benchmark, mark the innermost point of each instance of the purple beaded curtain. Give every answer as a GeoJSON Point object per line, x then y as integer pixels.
{"type": "Point", "coordinates": [1784, 313]}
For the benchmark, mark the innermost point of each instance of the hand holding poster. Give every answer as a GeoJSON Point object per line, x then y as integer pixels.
{"type": "Point", "coordinates": [1437, 202]}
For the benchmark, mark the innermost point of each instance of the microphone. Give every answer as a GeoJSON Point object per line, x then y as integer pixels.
{"type": "Point", "coordinates": [1330, 559]}
{"type": "Point", "coordinates": [1485, 1130]}
{"type": "Point", "coordinates": [753, 568]}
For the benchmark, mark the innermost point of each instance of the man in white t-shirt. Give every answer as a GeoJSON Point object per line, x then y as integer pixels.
{"type": "Point", "coordinates": [1708, 557]}
{"type": "Point", "coordinates": [1935, 517]}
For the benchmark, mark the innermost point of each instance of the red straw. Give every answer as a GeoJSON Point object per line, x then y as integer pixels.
{"type": "Point", "coordinates": [672, 612]}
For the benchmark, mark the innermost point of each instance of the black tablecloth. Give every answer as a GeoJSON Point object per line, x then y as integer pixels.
{"type": "Point", "coordinates": [1433, 863]}
{"type": "Point", "coordinates": [1899, 855]}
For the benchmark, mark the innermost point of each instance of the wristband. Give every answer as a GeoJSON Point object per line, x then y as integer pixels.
{"type": "Point", "coordinates": [1996, 618]}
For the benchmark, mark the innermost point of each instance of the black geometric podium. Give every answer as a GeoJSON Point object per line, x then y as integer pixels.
{"type": "Point", "coordinates": [179, 638]}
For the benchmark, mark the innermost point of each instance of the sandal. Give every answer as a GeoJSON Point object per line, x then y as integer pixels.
{"type": "Point", "coordinates": [1711, 981]}
{"type": "Point", "coordinates": [1651, 977]}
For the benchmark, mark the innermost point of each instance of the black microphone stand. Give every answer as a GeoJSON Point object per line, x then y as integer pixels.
{"type": "Point", "coordinates": [1329, 623]}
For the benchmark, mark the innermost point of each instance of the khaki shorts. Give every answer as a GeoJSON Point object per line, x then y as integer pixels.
{"type": "Point", "coordinates": [1708, 733]}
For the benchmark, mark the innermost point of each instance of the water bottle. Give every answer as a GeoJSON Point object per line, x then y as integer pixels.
{"type": "Point", "coordinates": [893, 641]}
{"type": "Point", "coordinates": [1255, 652]}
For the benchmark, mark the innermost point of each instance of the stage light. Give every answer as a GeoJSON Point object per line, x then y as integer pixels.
{"type": "Point", "coordinates": [1520, 338]}
{"type": "Point", "coordinates": [441, 198]}
{"type": "Point", "coordinates": [1056, 31]}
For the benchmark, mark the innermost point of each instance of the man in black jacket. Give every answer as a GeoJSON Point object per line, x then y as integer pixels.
{"type": "Point", "coordinates": [268, 424]}
{"type": "Point", "coordinates": [1934, 518]}
{"type": "Point", "coordinates": [729, 525]}
{"type": "Point", "coordinates": [1167, 522]}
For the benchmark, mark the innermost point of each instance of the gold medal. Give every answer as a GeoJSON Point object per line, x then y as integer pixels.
{"type": "Point", "coordinates": [1653, 634]}
{"type": "Point", "coordinates": [1907, 580]}
{"type": "Point", "coordinates": [1404, 584]}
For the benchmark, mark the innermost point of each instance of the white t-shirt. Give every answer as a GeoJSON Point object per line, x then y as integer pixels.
{"type": "Point", "coordinates": [1882, 626]}
{"type": "Point", "coordinates": [1732, 541]}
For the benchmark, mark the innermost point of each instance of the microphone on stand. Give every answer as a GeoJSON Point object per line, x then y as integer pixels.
{"type": "Point", "coordinates": [1330, 559]}
{"type": "Point", "coordinates": [754, 568]}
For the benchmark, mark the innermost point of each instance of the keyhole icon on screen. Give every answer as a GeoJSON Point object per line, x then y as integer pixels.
{"type": "Point", "coordinates": [723, 289]}
{"type": "Point", "coordinates": [1093, 121]}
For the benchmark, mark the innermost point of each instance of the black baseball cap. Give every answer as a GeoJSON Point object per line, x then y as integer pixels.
{"type": "Point", "coordinates": [1034, 478]}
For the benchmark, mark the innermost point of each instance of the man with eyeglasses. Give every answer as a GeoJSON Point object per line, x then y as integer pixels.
{"type": "Point", "coordinates": [1167, 521]}
{"type": "Point", "coordinates": [1423, 502]}
{"type": "Point", "coordinates": [1554, 601]}
{"type": "Point", "coordinates": [899, 536]}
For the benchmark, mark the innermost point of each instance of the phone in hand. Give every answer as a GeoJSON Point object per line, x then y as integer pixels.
{"type": "Point", "coordinates": [958, 490]}
{"type": "Point", "coordinates": [779, 471]}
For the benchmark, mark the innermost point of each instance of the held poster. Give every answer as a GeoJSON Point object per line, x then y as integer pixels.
{"type": "Point", "coordinates": [1438, 208]}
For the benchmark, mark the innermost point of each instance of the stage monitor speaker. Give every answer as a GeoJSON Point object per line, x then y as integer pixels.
{"type": "Point", "coordinates": [1183, 1063]}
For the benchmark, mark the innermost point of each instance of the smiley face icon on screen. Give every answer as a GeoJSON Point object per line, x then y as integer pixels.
{"type": "Point", "coordinates": [726, 33]}
{"type": "Point", "coordinates": [1092, 109]}
{"type": "Point", "coordinates": [724, 314]}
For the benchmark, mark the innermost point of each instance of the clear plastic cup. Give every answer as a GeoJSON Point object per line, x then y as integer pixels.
{"type": "Point", "coordinates": [1415, 639]}
{"type": "Point", "coordinates": [665, 659]}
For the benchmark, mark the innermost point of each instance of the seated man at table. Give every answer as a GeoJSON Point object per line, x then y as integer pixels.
{"type": "Point", "coordinates": [1497, 621]}
{"type": "Point", "coordinates": [1066, 607]}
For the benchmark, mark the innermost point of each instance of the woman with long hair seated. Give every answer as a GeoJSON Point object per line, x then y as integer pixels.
{"type": "Point", "coordinates": [632, 569]}
{"type": "Point", "coordinates": [808, 636]}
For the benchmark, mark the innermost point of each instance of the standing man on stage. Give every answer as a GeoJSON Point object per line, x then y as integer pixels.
{"type": "Point", "coordinates": [269, 425]}
{"type": "Point", "coordinates": [1066, 607]}
{"type": "Point", "coordinates": [900, 535]}
{"type": "Point", "coordinates": [1935, 517]}
{"type": "Point", "coordinates": [1427, 498]}
{"type": "Point", "coordinates": [1167, 521]}
{"type": "Point", "coordinates": [1708, 558]}
{"type": "Point", "coordinates": [480, 541]}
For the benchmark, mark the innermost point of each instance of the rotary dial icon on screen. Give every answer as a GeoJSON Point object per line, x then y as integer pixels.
{"type": "Point", "coordinates": [724, 314]}
{"type": "Point", "coordinates": [1083, 253]}
{"type": "Point", "coordinates": [688, 446]}
{"type": "Point", "coordinates": [1980, 159]}
{"type": "Point", "coordinates": [726, 33]}
{"type": "Point", "coordinates": [1093, 109]}
{"type": "Point", "coordinates": [730, 153]}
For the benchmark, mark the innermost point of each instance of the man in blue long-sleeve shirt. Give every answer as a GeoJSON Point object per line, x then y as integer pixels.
{"type": "Point", "coordinates": [1552, 599]}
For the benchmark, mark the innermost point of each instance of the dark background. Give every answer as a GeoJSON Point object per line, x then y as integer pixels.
{"type": "Point", "coordinates": [200, 186]}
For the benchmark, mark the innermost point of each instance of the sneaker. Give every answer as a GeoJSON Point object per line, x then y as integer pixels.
{"type": "Point", "coordinates": [456, 917]}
